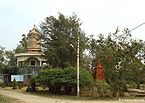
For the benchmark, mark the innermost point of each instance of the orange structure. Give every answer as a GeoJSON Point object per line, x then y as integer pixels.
{"type": "Point", "coordinates": [99, 72]}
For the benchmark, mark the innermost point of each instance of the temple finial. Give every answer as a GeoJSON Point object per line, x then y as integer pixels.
{"type": "Point", "coordinates": [35, 26]}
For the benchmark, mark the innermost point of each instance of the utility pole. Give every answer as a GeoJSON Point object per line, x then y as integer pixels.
{"type": "Point", "coordinates": [78, 65]}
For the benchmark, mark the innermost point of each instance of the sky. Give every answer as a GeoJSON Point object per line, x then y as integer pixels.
{"type": "Point", "coordinates": [17, 17]}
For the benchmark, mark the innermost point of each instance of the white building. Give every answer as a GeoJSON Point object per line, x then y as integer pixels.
{"type": "Point", "coordinates": [34, 55]}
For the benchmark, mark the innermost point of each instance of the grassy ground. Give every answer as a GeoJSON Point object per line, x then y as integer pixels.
{"type": "Point", "coordinates": [74, 97]}
{"type": "Point", "coordinates": [69, 97]}
{"type": "Point", "coordinates": [45, 93]}
{"type": "Point", "coordinates": [8, 100]}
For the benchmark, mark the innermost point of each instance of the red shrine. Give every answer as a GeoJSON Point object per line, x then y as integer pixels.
{"type": "Point", "coordinates": [99, 72]}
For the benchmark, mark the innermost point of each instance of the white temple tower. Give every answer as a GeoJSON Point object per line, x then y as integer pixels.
{"type": "Point", "coordinates": [34, 55]}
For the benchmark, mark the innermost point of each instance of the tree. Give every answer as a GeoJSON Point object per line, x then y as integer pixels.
{"type": "Point", "coordinates": [7, 62]}
{"type": "Point", "coordinates": [57, 36]}
{"type": "Point", "coordinates": [11, 60]}
{"type": "Point", "coordinates": [21, 48]}
{"type": "Point", "coordinates": [2, 59]}
{"type": "Point", "coordinates": [136, 68]}
{"type": "Point", "coordinates": [95, 48]}
{"type": "Point", "coordinates": [121, 57]}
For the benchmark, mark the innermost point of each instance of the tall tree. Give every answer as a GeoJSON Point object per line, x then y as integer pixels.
{"type": "Point", "coordinates": [58, 34]}
{"type": "Point", "coordinates": [10, 58]}
{"type": "Point", "coordinates": [21, 48]}
{"type": "Point", "coordinates": [2, 59]}
{"type": "Point", "coordinates": [121, 57]}
{"type": "Point", "coordinates": [10, 63]}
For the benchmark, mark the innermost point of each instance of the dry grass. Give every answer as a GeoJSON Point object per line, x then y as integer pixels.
{"type": "Point", "coordinates": [4, 99]}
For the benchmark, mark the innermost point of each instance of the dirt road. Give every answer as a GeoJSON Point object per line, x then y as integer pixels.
{"type": "Point", "coordinates": [38, 99]}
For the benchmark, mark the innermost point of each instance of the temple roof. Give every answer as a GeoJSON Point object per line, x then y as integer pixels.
{"type": "Point", "coordinates": [34, 31]}
{"type": "Point", "coordinates": [28, 54]}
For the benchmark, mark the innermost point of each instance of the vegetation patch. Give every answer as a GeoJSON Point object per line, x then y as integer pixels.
{"type": "Point", "coordinates": [63, 81]}
{"type": "Point", "coordinates": [4, 99]}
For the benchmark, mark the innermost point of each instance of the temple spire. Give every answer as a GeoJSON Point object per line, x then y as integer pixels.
{"type": "Point", "coordinates": [35, 27]}
{"type": "Point", "coordinates": [34, 41]}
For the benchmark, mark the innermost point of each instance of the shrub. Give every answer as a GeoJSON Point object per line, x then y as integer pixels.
{"type": "Point", "coordinates": [20, 85]}
{"type": "Point", "coordinates": [103, 88]}
{"type": "Point", "coordinates": [32, 86]}
{"type": "Point", "coordinates": [14, 84]}
{"type": "Point", "coordinates": [58, 79]}
{"type": "Point", "coordinates": [131, 85]}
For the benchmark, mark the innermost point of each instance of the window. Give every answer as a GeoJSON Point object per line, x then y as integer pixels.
{"type": "Point", "coordinates": [32, 62]}
{"type": "Point", "coordinates": [20, 63]}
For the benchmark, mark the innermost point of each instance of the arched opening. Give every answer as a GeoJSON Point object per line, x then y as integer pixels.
{"type": "Point", "coordinates": [32, 61]}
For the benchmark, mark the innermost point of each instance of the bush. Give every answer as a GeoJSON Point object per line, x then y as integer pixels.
{"type": "Point", "coordinates": [32, 86]}
{"type": "Point", "coordinates": [103, 88]}
{"type": "Point", "coordinates": [64, 80]}
{"type": "Point", "coordinates": [131, 85]}
{"type": "Point", "coordinates": [20, 85]}
{"type": "Point", "coordinates": [14, 84]}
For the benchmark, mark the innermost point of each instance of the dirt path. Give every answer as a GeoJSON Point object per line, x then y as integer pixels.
{"type": "Point", "coordinates": [38, 99]}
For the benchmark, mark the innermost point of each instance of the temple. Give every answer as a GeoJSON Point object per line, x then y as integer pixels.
{"type": "Point", "coordinates": [33, 55]}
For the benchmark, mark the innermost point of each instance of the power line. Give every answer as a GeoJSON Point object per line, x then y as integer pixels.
{"type": "Point", "coordinates": [136, 27]}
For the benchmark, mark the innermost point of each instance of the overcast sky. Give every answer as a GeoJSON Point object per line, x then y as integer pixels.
{"type": "Point", "coordinates": [17, 17]}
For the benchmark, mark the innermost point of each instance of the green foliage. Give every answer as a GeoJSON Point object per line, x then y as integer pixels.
{"type": "Point", "coordinates": [103, 88]}
{"type": "Point", "coordinates": [7, 61]}
{"type": "Point", "coordinates": [11, 70]}
{"type": "Point", "coordinates": [2, 59]}
{"type": "Point", "coordinates": [21, 48]}
{"type": "Point", "coordinates": [121, 57]}
{"type": "Point", "coordinates": [14, 84]}
{"type": "Point", "coordinates": [57, 79]}
{"type": "Point", "coordinates": [131, 84]}
{"type": "Point", "coordinates": [32, 85]}
{"type": "Point", "coordinates": [57, 35]}
{"type": "Point", "coordinates": [11, 59]}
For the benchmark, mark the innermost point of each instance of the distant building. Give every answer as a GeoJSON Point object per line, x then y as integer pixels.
{"type": "Point", "coordinates": [33, 55]}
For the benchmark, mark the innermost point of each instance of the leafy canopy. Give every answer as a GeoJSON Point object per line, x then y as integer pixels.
{"type": "Point", "coordinates": [58, 34]}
